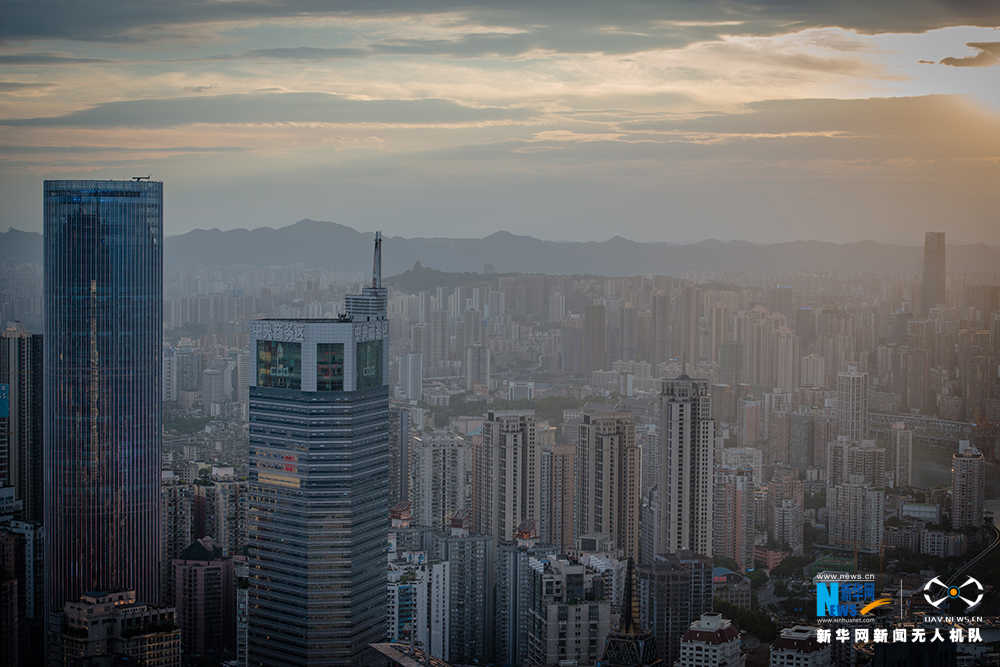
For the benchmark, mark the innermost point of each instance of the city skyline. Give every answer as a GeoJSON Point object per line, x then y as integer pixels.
{"type": "Point", "coordinates": [669, 122]}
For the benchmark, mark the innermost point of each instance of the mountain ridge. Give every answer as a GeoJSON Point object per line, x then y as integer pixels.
{"type": "Point", "coordinates": [335, 246]}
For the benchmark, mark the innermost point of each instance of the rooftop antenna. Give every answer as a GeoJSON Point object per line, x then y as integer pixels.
{"type": "Point", "coordinates": [377, 264]}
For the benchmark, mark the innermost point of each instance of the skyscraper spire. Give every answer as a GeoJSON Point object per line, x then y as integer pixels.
{"type": "Point", "coordinates": [630, 645]}
{"type": "Point", "coordinates": [377, 262]}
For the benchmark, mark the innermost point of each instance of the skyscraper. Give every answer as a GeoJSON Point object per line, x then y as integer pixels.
{"type": "Point", "coordinates": [318, 516]}
{"type": "Point", "coordinates": [933, 288]}
{"type": "Point", "coordinates": [968, 485]}
{"type": "Point", "coordinates": [595, 339]}
{"type": "Point", "coordinates": [685, 486]}
{"type": "Point", "coordinates": [608, 483]}
{"type": "Point", "coordinates": [506, 478]}
{"type": "Point", "coordinates": [102, 348]}
{"type": "Point", "coordinates": [852, 404]}
{"type": "Point", "coordinates": [21, 370]}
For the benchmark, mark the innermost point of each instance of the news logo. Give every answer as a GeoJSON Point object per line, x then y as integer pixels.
{"type": "Point", "coordinates": [970, 594]}
{"type": "Point", "coordinates": [843, 599]}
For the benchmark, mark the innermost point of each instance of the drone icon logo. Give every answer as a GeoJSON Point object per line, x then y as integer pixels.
{"type": "Point", "coordinates": [935, 588]}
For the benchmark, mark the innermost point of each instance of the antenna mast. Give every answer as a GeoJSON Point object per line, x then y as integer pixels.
{"type": "Point", "coordinates": [377, 263]}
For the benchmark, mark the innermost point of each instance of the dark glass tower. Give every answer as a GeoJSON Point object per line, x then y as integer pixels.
{"type": "Point", "coordinates": [102, 349]}
{"type": "Point", "coordinates": [933, 287]}
{"type": "Point", "coordinates": [319, 487]}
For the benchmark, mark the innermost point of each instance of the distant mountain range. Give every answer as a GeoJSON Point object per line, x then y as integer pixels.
{"type": "Point", "coordinates": [328, 245]}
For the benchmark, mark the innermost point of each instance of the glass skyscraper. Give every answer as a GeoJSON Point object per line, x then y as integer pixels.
{"type": "Point", "coordinates": [319, 511]}
{"type": "Point", "coordinates": [102, 347]}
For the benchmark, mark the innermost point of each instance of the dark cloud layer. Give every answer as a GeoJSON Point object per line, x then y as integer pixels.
{"type": "Point", "coordinates": [989, 55]}
{"type": "Point", "coordinates": [269, 108]}
{"type": "Point", "coordinates": [136, 21]}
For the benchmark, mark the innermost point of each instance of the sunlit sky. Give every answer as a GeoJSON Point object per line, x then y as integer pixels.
{"type": "Point", "coordinates": [657, 121]}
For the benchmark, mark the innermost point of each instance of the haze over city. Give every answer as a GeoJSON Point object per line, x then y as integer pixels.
{"type": "Point", "coordinates": [670, 121]}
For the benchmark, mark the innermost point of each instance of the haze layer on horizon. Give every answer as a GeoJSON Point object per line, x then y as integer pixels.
{"type": "Point", "coordinates": [657, 121]}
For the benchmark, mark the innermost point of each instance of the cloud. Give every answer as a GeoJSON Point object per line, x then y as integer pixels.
{"type": "Point", "coordinates": [306, 53]}
{"type": "Point", "coordinates": [48, 58]}
{"type": "Point", "coordinates": [200, 89]}
{"type": "Point", "coordinates": [272, 108]}
{"type": "Point", "coordinates": [989, 55]}
{"type": "Point", "coordinates": [629, 21]}
{"type": "Point", "coordinates": [14, 86]}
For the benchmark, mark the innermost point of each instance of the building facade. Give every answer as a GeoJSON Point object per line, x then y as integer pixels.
{"type": "Point", "coordinates": [103, 249]}
{"type": "Point", "coordinates": [318, 516]}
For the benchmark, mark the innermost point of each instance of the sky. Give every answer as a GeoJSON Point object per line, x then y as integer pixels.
{"type": "Point", "coordinates": [665, 120]}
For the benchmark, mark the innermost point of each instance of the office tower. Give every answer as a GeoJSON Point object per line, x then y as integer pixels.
{"type": "Point", "coordinates": [674, 590]}
{"type": "Point", "coordinates": [107, 623]}
{"type": "Point", "coordinates": [787, 522]}
{"type": "Point", "coordinates": [968, 479]}
{"type": "Point", "coordinates": [899, 455]}
{"type": "Point", "coordinates": [477, 367]}
{"type": "Point", "coordinates": [440, 461]}
{"type": "Point", "coordinates": [177, 511]}
{"type": "Point", "coordinates": [856, 514]}
{"type": "Point", "coordinates": [506, 480]}
{"type": "Point", "coordinates": [711, 641]}
{"type": "Point", "coordinates": [22, 559]}
{"type": "Point", "coordinates": [798, 646]}
{"type": "Point", "coordinates": [21, 371]}
{"type": "Point", "coordinates": [472, 569]}
{"type": "Point", "coordinates": [932, 292]}
{"type": "Point", "coordinates": [220, 510]}
{"type": "Point", "coordinates": [205, 598]}
{"type": "Point", "coordinates": [608, 477]}
{"type": "Point", "coordinates": [399, 455]}
{"type": "Point", "coordinates": [102, 388]}
{"type": "Point", "coordinates": [318, 486]}
{"type": "Point", "coordinates": [418, 604]}
{"type": "Point", "coordinates": [852, 403]}
{"type": "Point", "coordinates": [813, 371]}
{"type": "Point", "coordinates": [733, 518]}
{"type": "Point", "coordinates": [685, 486]}
{"type": "Point", "coordinates": [411, 375]}
{"type": "Point", "coordinates": [558, 493]}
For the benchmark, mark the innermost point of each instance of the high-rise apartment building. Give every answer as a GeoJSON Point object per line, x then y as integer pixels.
{"type": "Point", "coordinates": [399, 455]}
{"type": "Point", "coordinates": [674, 590]}
{"type": "Point", "coordinates": [319, 511]}
{"type": "Point", "coordinates": [685, 486]}
{"type": "Point", "coordinates": [733, 520]}
{"type": "Point", "coordinates": [506, 482]}
{"type": "Point", "coordinates": [477, 367]}
{"type": "Point", "coordinates": [177, 511]}
{"type": "Point", "coordinates": [595, 339]}
{"type": "Point", "coordinates": [968, 485]}
{"type": "Point", "coordinates": [856, 515]}
{"type": "Point", "coordinates": [103, 339]}
{"type": "Point", "coordinates": [440, 463]}
{"type": "Point", "coordinates": [899, 455]}
{"type": "Point", "coordinates": [21, 371]}
{"type": "Point", "coordinates": [933, 289]}
{"type": "Point", "coordinates": [608, 482]}
{"type": "Point", "coordinates": [558, 493]}
{"type": "Point", "coordinates": [852, 403]}
{"type": "Point", "coordinates": [411, 375]}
